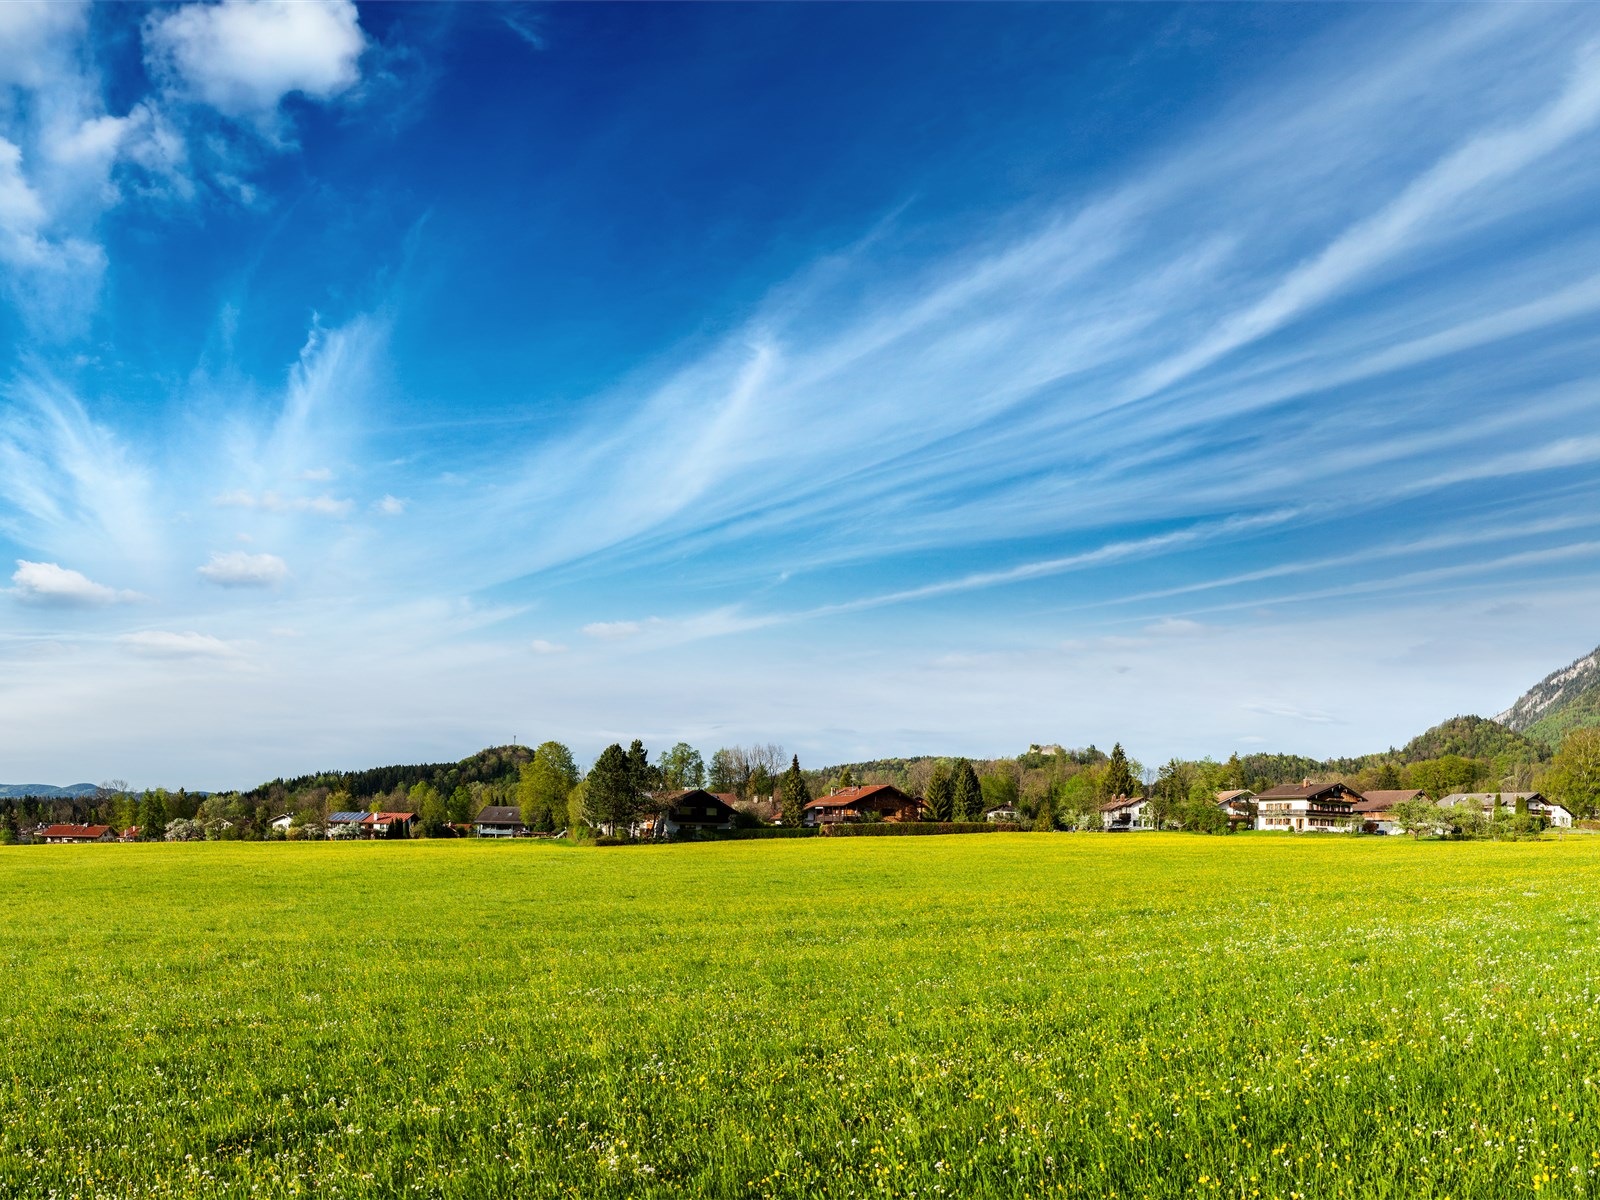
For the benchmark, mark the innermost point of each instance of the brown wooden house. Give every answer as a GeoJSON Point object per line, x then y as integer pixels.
{"type": "Point", "coordinates": [880, 801]}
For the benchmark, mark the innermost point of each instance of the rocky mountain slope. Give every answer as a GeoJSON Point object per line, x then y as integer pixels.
{"type": "Point", "coordinates": [1562, 700]}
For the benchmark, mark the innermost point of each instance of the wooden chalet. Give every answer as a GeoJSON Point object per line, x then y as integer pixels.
{"type": "Point", "coordinates": [1374, 809]}
{"type": "Point", "coordinates": [1307, 808]}
{"type": "Point", "coordinates": [67, 834]}
{"type": "Point", "coordinates": [500, 820]}
{"type": "Point", "coordinates": [1238, 805]}
{"type": "Point", "coordinates": [882, 801]}
{"type": "Point", "coordinates": [688, 810]}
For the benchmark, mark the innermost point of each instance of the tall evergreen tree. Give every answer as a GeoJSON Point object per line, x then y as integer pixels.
{"type": "Point", "coordinates": [941, 793]}
{"type": "Point", "coordinates": [1119, 776]}
{"type": "Point", "coordinates": [794, 793]}
{"type": "Point", "coordinates": [967, 796]}
{"type": "Point", "coordinates": [844, 779]}
{"type": "Point", "coordinates": [612, 797]}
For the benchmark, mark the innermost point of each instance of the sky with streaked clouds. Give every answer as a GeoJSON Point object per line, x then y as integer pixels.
{"type": "Point", "coordinates": [381, 383]}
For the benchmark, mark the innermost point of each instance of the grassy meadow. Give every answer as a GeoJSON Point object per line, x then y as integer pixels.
{"type": "Point", "coordinates": [1007, 1015]}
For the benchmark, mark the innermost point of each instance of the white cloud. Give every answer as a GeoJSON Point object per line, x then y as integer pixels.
{"type": "Point", "coordinates": [242, 57]}
{"type": "Point", "coordinates": [540, 646]}
{"type": "Point", "coordinates": [239, 569]}
{"type": "Point", "coordinates": [50, 584]}
{"type": "Point", "coordinates": [159, 643]}
{"type": "Point", "coordinates": [317, 475]}
{"type": "Point", "coordinates": [390, 506]}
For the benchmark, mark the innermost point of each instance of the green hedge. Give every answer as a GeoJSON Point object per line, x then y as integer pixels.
{"type": "Point", "coordinates": [917, 828]}
{"type": "Point", "coordinates": [767, 831]}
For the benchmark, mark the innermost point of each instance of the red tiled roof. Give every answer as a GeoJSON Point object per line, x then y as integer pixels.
{"type": "Point", "coordinates": [386, 818]}
{"type": "Point", "coordinates": [77, 831]}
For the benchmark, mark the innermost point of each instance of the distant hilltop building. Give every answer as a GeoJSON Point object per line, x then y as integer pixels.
{"type": "Point", "coordinates": [1051, 749]}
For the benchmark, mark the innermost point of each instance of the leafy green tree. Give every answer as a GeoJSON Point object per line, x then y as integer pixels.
{"type": "Point", "coordinates": [1420, 816]}
{"type": "Point", "coordinates": [682, 767]}
{"type": "Point", "coordinates": [433, 815]}
{"type": "Point", "coordinates": [612, 797]}
{"type": "Point", "coordinates": [1440, 777]}
{"type": "Point", "coordinates": [1574, 775]}
{"type": "Point", "coordinates": [1044, 817]}
{"type": "Point", "coordinates": [794, 795]}
{"type": "Point", "coordinates": [1119, 780]}
{"type": "Point", "coordinates": [998, 787]}
{"type": "Point", "coordinates": [728, 771]}
{"type": "Point", "coordinates": [1388, 778]}
{"type": "Point", "coordinates": [543, 786]}
{"type": "Point", "coordinates": [1170, 793]}
{"type": "Point", "coordinates": [461, 811]}
{"type": "Point", "coordinates": [941, 796]}
{"type": "Point", "coordinates": [966, 802]}
{"type": "Point", "coordinates": [760, 784]}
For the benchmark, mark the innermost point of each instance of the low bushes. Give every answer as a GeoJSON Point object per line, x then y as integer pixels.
{"type": "Point", "coordinates": [917, 828]}
{"type": "Point", "coordinates": [765, 831]}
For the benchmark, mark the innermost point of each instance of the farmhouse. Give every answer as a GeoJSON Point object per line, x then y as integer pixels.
{"type": "Point", "coordinates": [1373, 810]}
{"type": "Point", "coordinates": [500, 820]}
{"type": "Point", "coordinates": [1309, 808]}
{"type": "Point", "coordinates": [1126, 812]}
{"type": "Point", "coordinates": [130, 834]}
{"type": "Point", "coordinates": [685, 811]}
{"type": "Point", "coordinates": [1006, 813]}
{"type": "Point", "coordinates": [1237, 806]}
{"type": "Point", "coordinates": [282, 822]}
{"type": "Point", "coordinates": [1534, 803]}
{"type": "Point", "coordinates": [881, 800]}
{"type": "Point", "coordinates": [77, 833]}
{"type": "Point", "coordinates": [345, 824]}
{"type": "Point", "coordinates": [387, 824]}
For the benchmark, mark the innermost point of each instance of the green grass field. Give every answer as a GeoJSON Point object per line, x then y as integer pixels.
{"type": "Point", "coordinates": [1009, 1015]}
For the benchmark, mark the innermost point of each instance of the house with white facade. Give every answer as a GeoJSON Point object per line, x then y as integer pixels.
{"type": "Point", "coordinates": [1126, 812]}
{"type": "Point", "coordinates": [1307, 808]}
{"type": "Point", "coordinates": [1534, 803]}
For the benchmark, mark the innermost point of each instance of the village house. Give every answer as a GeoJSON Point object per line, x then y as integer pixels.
{"type": "Point", "coordinates": [63, 834]}
{"type": "Point", "coordinates": [130, 834]}
{"type": "Point", "coordinates": [688, 810]}
{"type": "Point", "coordinates": [1126, 812]}
{"type": "Point", "coordinates": [500, 821]}
{"type": "Point", "coordinates": [1535, 803]}
{"type": "Point", "coordinates": [1374, 809]}
{"type": "Point", "coordinates": [880, 801]}
{"type": "Point", "coordinates": [282, 822]}
{"type": "Point", "coordinates": [1003, 813]}
{"type": "Point", "coordinates": [387, 825]}
{"type": "Point", "coordinates": [1238, 805]}
{"type": "Point", "coordinates": [1308, 808]}
{"type": "Point", "coordinates": [345, 824]}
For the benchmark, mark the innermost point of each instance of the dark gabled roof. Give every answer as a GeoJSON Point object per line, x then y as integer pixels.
{"type": "Point", "coordinates": [1122, 802]}
{"type": "Point", "coordinates": [851, 796]}
{"type": "Point", "coordinates": [500, 814]}
{"type": "Point", "coordinates": [1309, 791]}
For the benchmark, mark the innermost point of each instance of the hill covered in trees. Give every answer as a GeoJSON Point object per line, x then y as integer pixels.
{"type": "Point", "coordinates": [1560, 702]}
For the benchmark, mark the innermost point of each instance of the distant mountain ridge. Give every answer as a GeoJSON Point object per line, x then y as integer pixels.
{"type": "Point", "coordinates": [16, 791]}
{"type": "Point", "coordinates": [1563, 700]}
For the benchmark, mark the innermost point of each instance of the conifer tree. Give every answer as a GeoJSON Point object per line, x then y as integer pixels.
{"type": "Point", "coordinates": [1119, 777]}
{"type": "Point", "coordinates": [941, 793]}
{"type": "Point", "coordinates": [967, 799]}
{"type": "Point", "coordinates": [1044, 818]}
{"type": "Point", "coordinates": [794, 794]}
{"type": "Point", "coordinates": [611, 798]}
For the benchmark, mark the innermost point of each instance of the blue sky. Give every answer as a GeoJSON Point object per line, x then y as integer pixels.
{"type": "Point", "coordinates": [377, 384]}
